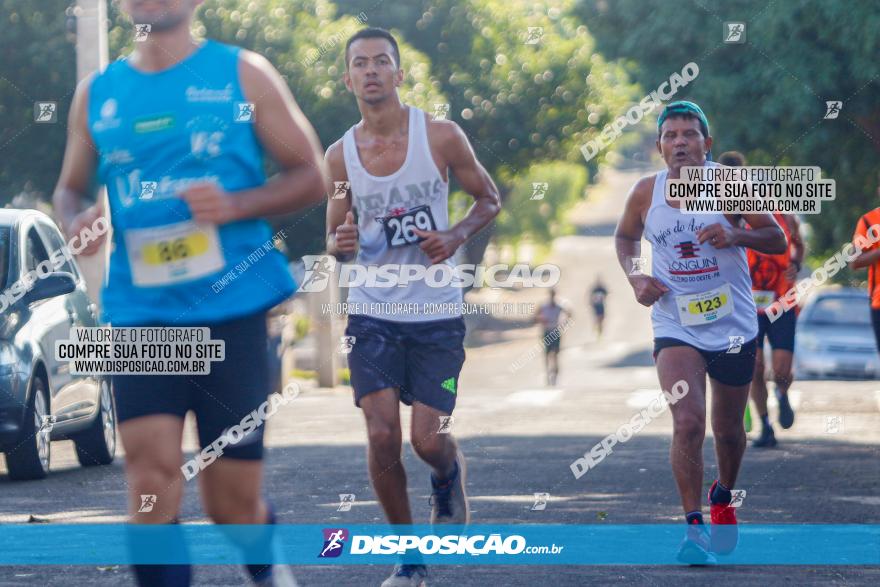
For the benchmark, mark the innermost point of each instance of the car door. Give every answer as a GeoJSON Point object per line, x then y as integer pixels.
{"type": "Point", "coordinates": [81, 392]}
{"type": "Point", "coordinates": [48, 321]}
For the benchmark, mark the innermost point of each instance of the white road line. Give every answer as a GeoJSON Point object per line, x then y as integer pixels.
{"type": "Point", "coordinates": [535, 397]}
{"type": "Point", "coordinates": [642, 398]}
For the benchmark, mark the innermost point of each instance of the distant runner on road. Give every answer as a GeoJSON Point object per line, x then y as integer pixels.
{"type": "Point", "coordinates": [700, 296]}
{"type": "Point", "coordinates": [549, 315]}
{"type": "Point", "coordinates": [597, 298]}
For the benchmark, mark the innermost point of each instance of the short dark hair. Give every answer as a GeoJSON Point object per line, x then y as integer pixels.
{"type": "Point", "coordinates": [374, 33]}
{"type": "Point", "coordinates": [688, 116]}
{"type": "Point", "coordinates": [732, 159]}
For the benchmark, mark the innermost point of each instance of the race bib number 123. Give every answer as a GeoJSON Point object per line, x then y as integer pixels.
{"type": "Point", "coordinates": [704, 307]}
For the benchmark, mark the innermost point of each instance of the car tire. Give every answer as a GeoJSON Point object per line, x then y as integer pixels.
{"type": "Point", "coordinates": [29, 458]}
{"type": "Point", "coordinates": [97, 444]}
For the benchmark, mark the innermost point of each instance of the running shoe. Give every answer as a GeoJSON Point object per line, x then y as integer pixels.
{"type": "Point", "coordinates": [766, 440]}
{"type": "Point", "coordinates": [725, 533]}
{"type": "Point", "coordinates": [786, 414]}
{"type": "Point", "coordinates": [694, 549]}
{"type": "Point", "coordinates": [449, 503]}
{"type": "Point", "coordinates": [407, 576]}
{"type": "Point", "coordinates": [274, 575]}
{"type": "Point", "coordinates": [281, 576]}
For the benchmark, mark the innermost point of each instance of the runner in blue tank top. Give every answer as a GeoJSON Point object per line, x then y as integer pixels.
{"type": "Point", "coordinates": [176, 132]}
{"type": "Point", "coordinates": [697, 257]}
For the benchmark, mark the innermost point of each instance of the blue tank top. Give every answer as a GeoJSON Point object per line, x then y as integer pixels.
{"type": "Point", "coordinates": [156, 134]}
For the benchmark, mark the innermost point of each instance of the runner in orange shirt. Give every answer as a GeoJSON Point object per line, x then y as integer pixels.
{"type": "Point", "coordinates": [772, 277]}
{"type": "Point", "coordinates": [870, 258]}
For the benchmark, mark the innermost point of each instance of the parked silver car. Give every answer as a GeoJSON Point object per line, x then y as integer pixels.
{"type": "Point", "coordinates": [835, 338]}
{"type": "Point", "coordinates": [40, 401]}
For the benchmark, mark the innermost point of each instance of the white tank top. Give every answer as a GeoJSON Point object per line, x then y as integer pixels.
{"type": "Point", "coordinates": [710, 290]}
{"type": "Point", "coordinates": [414, 195]}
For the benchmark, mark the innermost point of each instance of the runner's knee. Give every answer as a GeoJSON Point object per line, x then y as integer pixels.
{"type": "Point", "coordinates": [690, 426]}
{"type": "Point", "coordinates": [384, 438]}
{"type": "Point", "coordinates": [428, 444]}
{"type": "Point", "coordinates": [730, 436]}
{"type": "Point", "coordinates": [152, 472]}
{"type": "Point", "coordinates": [233, 508]}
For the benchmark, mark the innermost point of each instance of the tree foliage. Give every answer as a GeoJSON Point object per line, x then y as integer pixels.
{"type": "Point", "coordinates": [767, 97]}
{"type": "Point", "coordinates": [38, 65]}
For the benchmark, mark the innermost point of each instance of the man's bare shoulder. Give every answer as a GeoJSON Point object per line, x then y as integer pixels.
{"type": "Point", "coordinates": [335, 158]}
{"type": "Point", "coordinates": [643, 189]}
{"type": "Point", "coordinates": [442, 132]}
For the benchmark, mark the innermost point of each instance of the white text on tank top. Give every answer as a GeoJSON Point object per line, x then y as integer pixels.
{"type": "Point", "coordinates": [710, 289]}
{"type": "Point", "coordinates": [416, 190]}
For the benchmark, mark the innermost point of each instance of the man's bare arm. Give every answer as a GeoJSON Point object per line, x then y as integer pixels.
{"type": "Point", "coordinates": [77, 172]}
{"type": "Point", "coordinates": [865, 259]}
{"type": "Point", "coordinates": [628, 242]}
{"type": "Point", "coordinates": [765, 235]}
{"type": "Point", "coordinates": [630, 227]}
{"type": "Point", "coordinates": [338, 210]}
{"type": "Point", "coordinates": [473, 179]}
{"type": "Point", "coordinates": [457, 154]}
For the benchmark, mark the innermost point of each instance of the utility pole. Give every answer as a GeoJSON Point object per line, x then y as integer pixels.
{"type": "Point", "coordinates": [92, 55]}
{"type": "Point", "coordinates": [326, 343]}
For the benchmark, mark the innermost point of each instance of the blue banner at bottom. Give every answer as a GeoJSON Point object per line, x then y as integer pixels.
{"type": "Point", "coordinates": [207, 544]}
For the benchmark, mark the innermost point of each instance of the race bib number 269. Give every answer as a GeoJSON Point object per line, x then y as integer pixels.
{"type": "Point", "coordinates": [400, 229]}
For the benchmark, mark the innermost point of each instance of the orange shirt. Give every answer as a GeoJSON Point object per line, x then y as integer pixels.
{"type": "Point", "coordinates": [869, 219]}
{"type": "Point", "coordinates": [768, 271]}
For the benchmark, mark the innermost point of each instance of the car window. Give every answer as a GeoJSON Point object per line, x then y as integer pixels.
{"type": "Point", "coordinates": [56, 243]}
{"type": "Point", "coordinates": [841, 310]}
{"type": "Point", "coordinates": [35, 253]}
{"type": "Point", "coordinates": [5, 235]}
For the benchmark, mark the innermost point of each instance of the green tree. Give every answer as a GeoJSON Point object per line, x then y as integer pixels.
{"type": "Point", "coordinates": [767, 97]}
{"type": "Point", "coordinates": [38, 65]}
{"type": "Point", "coordinates": [538, 200]}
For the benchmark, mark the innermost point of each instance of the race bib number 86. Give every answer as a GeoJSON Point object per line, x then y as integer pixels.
{"type": "Point", "coordinates": [400, 229]}
{"type": "Point", "coordinates": [164, 255]}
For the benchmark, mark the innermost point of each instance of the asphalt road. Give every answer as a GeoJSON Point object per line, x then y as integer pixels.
{"type": "Point", "coordinates": [519, 437]}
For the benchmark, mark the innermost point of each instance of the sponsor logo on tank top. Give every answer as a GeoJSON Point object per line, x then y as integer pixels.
{"type": "Point", "coordinates": [194, 94]}
{"type": "Point", "coordinates": [108, 119]}
{"type": "Point", "coordinates": [690, 265]}
{"type": "Point", "coordinates": [411, 195]}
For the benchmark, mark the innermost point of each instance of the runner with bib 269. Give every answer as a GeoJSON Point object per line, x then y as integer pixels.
{"type": "Point", "coordinates": [703, 317]}
{"type": "Point", "coordinates": [396, 162]}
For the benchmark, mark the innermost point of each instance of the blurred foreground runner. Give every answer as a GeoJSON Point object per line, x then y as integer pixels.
{"type": "Point", "coordinates": [177, 131]}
